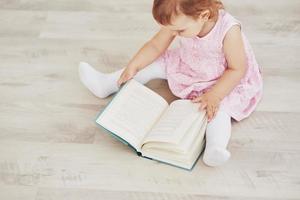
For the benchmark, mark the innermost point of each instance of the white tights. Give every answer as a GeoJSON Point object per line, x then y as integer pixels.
{"type": "Point", "coordinates": [218, 130]}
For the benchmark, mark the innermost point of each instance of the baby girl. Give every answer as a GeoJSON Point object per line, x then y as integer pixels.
{"type": "Point", "coordinates": [214, 66]}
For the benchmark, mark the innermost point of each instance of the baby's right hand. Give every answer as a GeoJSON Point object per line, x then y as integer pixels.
{"type": "Point", "coordinates": [126, 75]}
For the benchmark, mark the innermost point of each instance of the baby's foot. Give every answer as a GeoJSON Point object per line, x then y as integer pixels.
{"type": "Point", "coordinates": [215, 156]}
{"type": "Point", "coordinates": [100, 84]}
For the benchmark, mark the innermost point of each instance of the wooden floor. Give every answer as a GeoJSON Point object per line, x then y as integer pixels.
{"type": "Point", "coordinates": [50, 147]}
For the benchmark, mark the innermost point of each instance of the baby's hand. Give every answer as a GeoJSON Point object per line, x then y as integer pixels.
{"type": "Point", "coordinates": [127, 74]}
{"type": "Point", "coordinates": [210, 102]}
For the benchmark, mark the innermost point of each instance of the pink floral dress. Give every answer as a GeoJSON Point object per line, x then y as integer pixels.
{"type": "Point", "coordinates": [198, 63]}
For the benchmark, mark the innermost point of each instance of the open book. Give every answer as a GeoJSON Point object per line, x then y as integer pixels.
{"type": "Point", "coordinates": [142, 119]}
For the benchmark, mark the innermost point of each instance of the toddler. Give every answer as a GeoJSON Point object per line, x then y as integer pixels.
{"type": "Point", "coordinates": [214, 66]}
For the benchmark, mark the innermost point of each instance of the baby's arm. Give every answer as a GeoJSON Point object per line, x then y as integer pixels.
{"type": "Point", "coordinates": [236, 59]}
{"type": "Point", "coordinates": [150, 51]}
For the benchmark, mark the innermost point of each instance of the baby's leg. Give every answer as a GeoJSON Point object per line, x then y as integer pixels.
{"type": "Point", "coordinates": [104, 84]}
{"type": "Point", "coordinates": [218, 133]}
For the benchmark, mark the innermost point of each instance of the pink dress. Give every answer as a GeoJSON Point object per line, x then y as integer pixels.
{"type": "Point", "coordinates": [198, 63]}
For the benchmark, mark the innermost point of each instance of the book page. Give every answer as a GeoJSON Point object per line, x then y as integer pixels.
{"type": "Point", "coordinates": [184, 155]}
{"type": "Point", "coordinates": [133, 112]}
{"type": "Point", "coordinates": [175, 122]}
{"type": "Point", "coordinates": [196, 130]}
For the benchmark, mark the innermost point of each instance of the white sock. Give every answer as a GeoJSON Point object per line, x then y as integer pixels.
{"type": "Point", "coordinates": [218, 133]}
{"type": "Point", "coordinates": [104, 84]}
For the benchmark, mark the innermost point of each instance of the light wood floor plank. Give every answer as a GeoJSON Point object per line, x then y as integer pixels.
{"type": "Point", "coordinates": [67, 165]}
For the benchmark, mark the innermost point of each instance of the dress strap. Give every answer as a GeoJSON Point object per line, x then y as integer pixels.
{"type": "Point", "coordinates": [227, 22]}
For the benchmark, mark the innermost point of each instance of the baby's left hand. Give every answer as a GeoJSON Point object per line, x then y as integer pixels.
{"type": "Point", "coordinates": [210, 102]}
